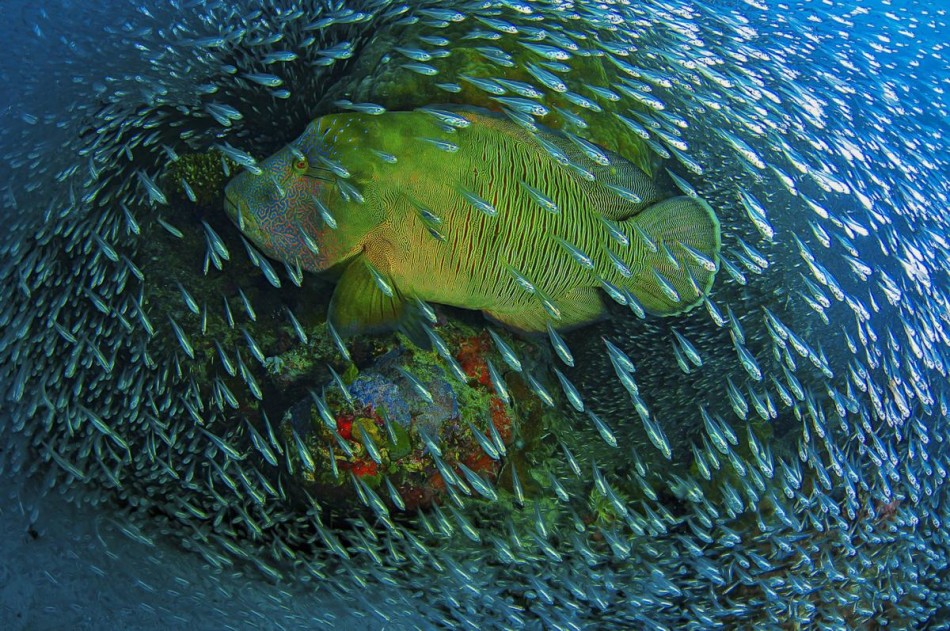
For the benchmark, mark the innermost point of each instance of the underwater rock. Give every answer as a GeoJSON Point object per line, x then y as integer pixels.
{"type": "Point", "coordinates": [778, 454]}
{"type": "Point", "coordinates": [479, 70]}
{"type": "Point", "coordinates": [200, 178]}
{"type": "Point", "coordinates": [406, 429]}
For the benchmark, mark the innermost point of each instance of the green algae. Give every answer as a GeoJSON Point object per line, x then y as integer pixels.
{"type": "Point", "coordinates": [204, 173]}
{"type": "Point", "coordinates": [381, 76]}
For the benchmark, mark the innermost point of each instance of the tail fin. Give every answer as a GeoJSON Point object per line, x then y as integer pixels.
{"type": "Point", "coordinates": [680, 261]}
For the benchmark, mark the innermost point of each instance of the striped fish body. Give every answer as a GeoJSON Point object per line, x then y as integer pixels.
{"type": "Point", "coordinates": [527, 227]}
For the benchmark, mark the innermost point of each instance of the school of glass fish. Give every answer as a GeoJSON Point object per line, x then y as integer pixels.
{"type": "Point", "coordinates": [779, 453]}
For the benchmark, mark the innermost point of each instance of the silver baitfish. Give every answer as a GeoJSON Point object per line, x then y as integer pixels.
{"type": "Point", "coordinates": [780, 453]}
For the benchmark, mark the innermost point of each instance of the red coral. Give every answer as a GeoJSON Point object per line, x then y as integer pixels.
{"type": "Point", "coordinates": [437, 483]}
{"type": "Point", "coordinates": [414, 497]}
{"type": "Point", "coordinates": [344, 422]}
{"type": "Point", "coordinates": [362, 467]}
{"type": "Point", "coordinates": [344, 426]}
{"type": "Point", "coordinates": [481, 463]}
{"type": "Point", "coordinates": [500, 418]}
{"type": "Point", "coordinates": [471, 357]}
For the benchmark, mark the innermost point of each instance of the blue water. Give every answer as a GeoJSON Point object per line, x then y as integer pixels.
{"type": "Point", "coordinates": [859, 91]}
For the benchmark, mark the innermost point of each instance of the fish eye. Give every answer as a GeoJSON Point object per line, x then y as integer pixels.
{"type": "Point", "coordinates": [301, 164]}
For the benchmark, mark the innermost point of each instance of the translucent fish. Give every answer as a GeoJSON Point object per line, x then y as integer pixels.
{"type": "Point", "coordinates": [742, 149]}
{"type": "Point", "coordinates": [498, 382]}
{"type": "Point", "coordinates": [516, 486]}
{"type": "Point", "coordinates": [520, 88]}
{"type": "Point", "coordinates": [525, 106]}
{"type": "Point", "coordinates": [155, 194]}
{"type": "Point", "coordinates": [338, 342]}
{"type": "Point", "coordinates": [279, 56]}
{"type": "Point", "coordinates": [688, 349]}
{"type": "Point", "coordinates": [188, 299]}
{"type": "Point", "coordinates": [241, 157]}
{"type": "Point", "coordinates": [417, 385]}
{"type": "Point", "coordinates": [539, 390]}
{"type": "Point", "coordinates": [447, 117]}
{"type": "Point", "coordinates": [223, 114]}
{"type": "Point", "coordinates": [264, 79]}
{"type": "Point", "coordinates": [757, 215]}
{"type": "Point", "coordinates": [448, 147]}
{"type": "Point", "coordinates": [183, 340]}
{"type": "Point", "coordinates": [748, 362]}
{"type": "Point", "coordinates": [570, 391]}
{"type": "Point", "coordinates": [605, 432]}
{"type": "Point", "coordinates": [380, 281]}
{"type": "Point", "coordinates": [189, 193]}
{"type": "Point", "coordinates": [579, 256]}
{"type": "Point", "coordinates": [657, 436]}
{"type": "Point", "coordinates": [582, 101]}
{"type": "Point", "coordinates": [540, 198]}
{"type": "Point", "coordinates": [546, 51]}
{"type": "Point", "coordinates": [486, 85]}
{"type": "Point", "coordinates": [420, 68]}
{"type": "Point", "coordinates": [683, 185]}
{"type": "Point", "coordinates": [487, 445]}
{"type": "Point", "coordinates": [216, 241]}
{"type": "Point", "coordinates": [131, 222]}
{"type": "Point", "coordinates": [372, 109]}
{"type": "Point", "coordinates": [546, 78]}
{"type": "Point", "coordinates": [560, 346]}
{"type": "Point", "coordinates": [479, 203]}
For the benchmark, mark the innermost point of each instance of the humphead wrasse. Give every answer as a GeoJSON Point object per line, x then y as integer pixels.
{"type": "Point", "coordinates": [465, 208]}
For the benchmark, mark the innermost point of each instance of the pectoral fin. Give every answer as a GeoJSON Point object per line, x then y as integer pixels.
{"type": "Point", "coordinates": [359, 305]}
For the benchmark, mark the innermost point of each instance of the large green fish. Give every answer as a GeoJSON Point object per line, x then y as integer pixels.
{"type": "Point", "coordinates": [466, 208]}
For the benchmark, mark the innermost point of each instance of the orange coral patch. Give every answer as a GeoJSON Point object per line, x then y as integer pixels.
{"type": "Point", "coordinates": [361, 468]}
{"type": "Point", "coordinates": [471, 357]}
{"type": "Point", "coordinates": [500, 418]}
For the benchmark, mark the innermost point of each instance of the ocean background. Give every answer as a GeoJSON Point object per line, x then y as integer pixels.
{"type": "Point", "coordinates": [65, 564]}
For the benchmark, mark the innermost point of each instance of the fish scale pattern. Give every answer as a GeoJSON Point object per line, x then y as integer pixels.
{"type": "Point", "coordinates": [779, 453]}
